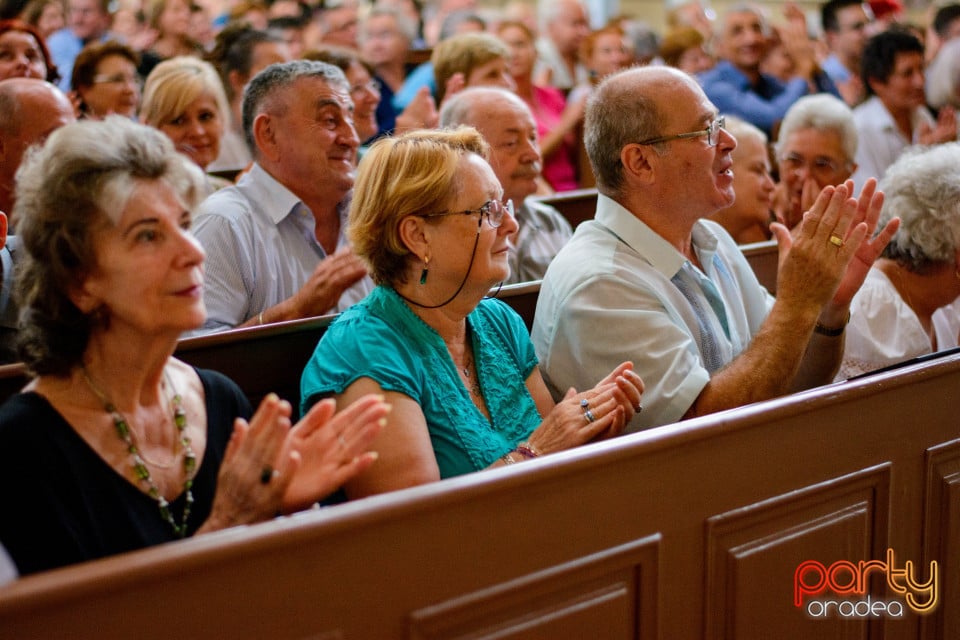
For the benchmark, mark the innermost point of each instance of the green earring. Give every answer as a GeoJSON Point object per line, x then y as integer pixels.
{"type": "Point", "coordinates": [426, 269]}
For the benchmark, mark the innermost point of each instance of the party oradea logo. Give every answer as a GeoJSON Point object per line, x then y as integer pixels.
{"type": "Point", "coordinates": [840, 590]}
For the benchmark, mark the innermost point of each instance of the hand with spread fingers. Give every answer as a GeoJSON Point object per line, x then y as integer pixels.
{"type": "Point", "coordinates": [253, 475]}
{"type": "Point", "coordinates": [332, 448]}
{"type": "Point", "coordinates": [868, 211]}
{"type": "Point", "coordinates": [826, 259]}
{"type": "Point", "coordinates": [271, 468]}
{"type": "Point", "coordinates": [601, 412]}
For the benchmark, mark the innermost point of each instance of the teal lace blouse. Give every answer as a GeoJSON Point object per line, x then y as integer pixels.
{"type": "Point", "coordinates": [382, 339]}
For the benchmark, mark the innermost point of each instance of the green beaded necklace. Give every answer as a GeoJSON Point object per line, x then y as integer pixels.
{"type": "Point", "coordinates": [140, 465]}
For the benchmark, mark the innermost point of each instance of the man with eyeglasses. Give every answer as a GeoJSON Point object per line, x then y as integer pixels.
{"type": "Point", "coordinates": [508, 126]}
{"type": "Point", "coordinates": [652, 281]}
{"type": "Point", "coordinates": [816, 148]}
{"type": "Point", "coordinates": [275, 242]}
{"type": "Point", "coordinates": [845, 29]}
{"type": "Point", "coordinates": [87, 21]}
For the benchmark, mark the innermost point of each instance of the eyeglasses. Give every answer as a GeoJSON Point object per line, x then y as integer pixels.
{"type": "Point", "coordinates": [370, 87]}
{"type": "Point", "coordinates": [492, 209]}
{"type": "Point", "coordinates": [820, 165]}
{"type": "Point", "coordinates": [712, 132]}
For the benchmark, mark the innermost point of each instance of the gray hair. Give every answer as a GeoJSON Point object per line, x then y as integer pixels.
{"type": "Point", "coordinates": [741, 130]}
{"type": "Point", "coordinates": [943, 76]}
{"type": "Point", "coordinates": [260, 94]}
{"type": "Point", "coordinates": [406, 26]}
{"type": "Point", "coordinates": [458, 109]}
{"type": "Point", "coordinates": [824, 113]}
{"type": "Point", "coordinates": [923, 188]}
{"type": "Point", "coordinates": [742, 7]}
{"type": "Point", "coordinates": [78, 182]}
{"type": "Point", "coordinates": [548, 10]}
{"type": "Point", "coordinates": [617, 115]}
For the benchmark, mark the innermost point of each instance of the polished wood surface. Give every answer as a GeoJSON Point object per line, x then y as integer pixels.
{"type": "Point", "coordinates": [692, 530]}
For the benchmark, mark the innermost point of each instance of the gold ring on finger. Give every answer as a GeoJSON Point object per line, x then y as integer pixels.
{"type": "Point", "coordinates": [836, 240]}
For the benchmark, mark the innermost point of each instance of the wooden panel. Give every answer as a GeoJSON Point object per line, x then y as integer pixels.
{"type": "Point", "coordinates": [855, 455]}
{"type": "Point", "coordinates": [262, 359]}
{"type": "Point", "coordinates": [611, 594]}
{"type": "Point", "coordinates": [764, 260]}
{"type": "Point", "coordinates": [841, 519]}
{"type": "Point", "coordinates": [941, 537]}
{"type": "Point", "coordinates": [576, 206]}
{"type": "Point", "coordinates": [522, 298]}
{"type": "Point", "coordinates": [12, 378]}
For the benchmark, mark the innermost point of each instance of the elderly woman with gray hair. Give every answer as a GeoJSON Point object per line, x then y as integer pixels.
{"type": "Point", "coordinates": [116, 445]}
{"type": "Point", "coordinates": [907, 305]}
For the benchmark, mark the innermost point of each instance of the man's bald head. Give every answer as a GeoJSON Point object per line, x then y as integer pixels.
{"type": "Point", "coordinates": [508, 126]}
{"type": "Point", "coordinates": [627, 107]}
{"type": "Point", "coordinates": [32, 110]}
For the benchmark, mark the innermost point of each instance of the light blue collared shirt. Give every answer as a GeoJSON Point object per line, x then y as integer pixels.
{"type": "Point", "coordinates": [610, 296]}
{"type": "Point", "coordinates": [261, 250]}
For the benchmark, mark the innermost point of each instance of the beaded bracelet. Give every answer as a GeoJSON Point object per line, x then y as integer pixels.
{"type": "Point", "coordinates": [528, 451]}
{"type": "Point", "coordinates": [507, 458]}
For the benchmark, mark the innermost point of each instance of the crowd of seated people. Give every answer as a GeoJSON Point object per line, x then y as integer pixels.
{"type": "Point", "coordinates": [342, 181]}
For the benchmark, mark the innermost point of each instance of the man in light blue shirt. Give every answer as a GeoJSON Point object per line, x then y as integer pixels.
{"type": "Point", "coordinates": [87, 21]}
{"type": "Point", "coordinates": [651, 281]}
{"type": "Point", "coordinates": [736, 86]}
{"type": "Point", "coordinates": [274, 241]}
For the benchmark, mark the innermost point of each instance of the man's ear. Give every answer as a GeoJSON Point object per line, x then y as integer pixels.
{"type": "Point", "coordinates": [265, 137]}
{"type": "Point", "coordinates": [640, 161]}
{"type": "Point", "coordinates": [236, 82]}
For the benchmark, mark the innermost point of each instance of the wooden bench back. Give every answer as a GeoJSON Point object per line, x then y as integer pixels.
{"type": "Point", "coordinates": [693, 530]}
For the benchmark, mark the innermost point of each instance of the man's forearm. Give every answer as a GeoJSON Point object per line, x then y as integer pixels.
{"type": "Point", "coordinates": [767, 368]}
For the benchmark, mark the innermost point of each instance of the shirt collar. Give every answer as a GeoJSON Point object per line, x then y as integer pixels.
{"type": "Point", "coordinates": [661, 255]}
{"type": "Point", "coordinates": [274, 199]}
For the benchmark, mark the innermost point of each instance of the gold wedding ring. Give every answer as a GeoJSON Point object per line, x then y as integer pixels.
{"type": "Point", "coordinates": [836, 240]}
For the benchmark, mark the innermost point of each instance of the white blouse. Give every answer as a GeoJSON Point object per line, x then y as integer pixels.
{"type": "Point", "coordinates": [884, 330]}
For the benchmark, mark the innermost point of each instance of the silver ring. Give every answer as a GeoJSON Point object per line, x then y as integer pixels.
{"type": "Point", "coordinates": [589, 415]}
{"type": "Point", "coordinates": [584, 404]}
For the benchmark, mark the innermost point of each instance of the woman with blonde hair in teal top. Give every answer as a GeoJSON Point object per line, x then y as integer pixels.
{"type": "Point", "coordinates": [458, 369]}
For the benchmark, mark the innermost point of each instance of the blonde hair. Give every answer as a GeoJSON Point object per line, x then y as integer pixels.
{"type": "Point", "coordinates": [174, 84]}
{"type": "Point", "coordinates": [463, 54]}
{"type": "Point", "coordinates": [415, 173]}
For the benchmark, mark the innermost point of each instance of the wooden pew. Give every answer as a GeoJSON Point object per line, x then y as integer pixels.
{"type": "Point", "coordinates": [12, 378]}
{"type": "Point", "coordinates": [693, 530]}
{"type": "Point", "coordinates": [576, 206]}
{"type": "Point", "coordinates": [264, 359]}
{"type": "Point", "coordinates": [764, 260]}
{"type": "Point", "coordinates": [271, 357]}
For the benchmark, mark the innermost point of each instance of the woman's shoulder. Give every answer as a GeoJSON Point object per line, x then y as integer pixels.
{"type": "Point", "coordinates": [25, 418]}
{"type": "Point", "coordinates": [498, 315]}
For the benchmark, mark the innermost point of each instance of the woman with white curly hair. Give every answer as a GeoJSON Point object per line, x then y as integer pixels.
{"type": "Point", "coordinates": [908, 305]}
